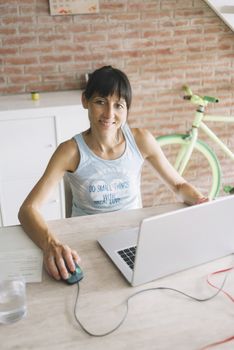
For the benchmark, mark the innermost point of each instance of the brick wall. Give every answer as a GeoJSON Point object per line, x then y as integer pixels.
{"type": "Point", "coordinates": [160, 44]}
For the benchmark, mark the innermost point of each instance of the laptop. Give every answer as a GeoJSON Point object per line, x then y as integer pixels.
{"type": "Point", "coordinates": [173, 241]}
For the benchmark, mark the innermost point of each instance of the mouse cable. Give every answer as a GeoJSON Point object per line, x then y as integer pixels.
{"type": "Point", "coordinates": [126, 302]}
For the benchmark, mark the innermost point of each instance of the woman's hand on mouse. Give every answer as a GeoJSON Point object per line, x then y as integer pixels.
{"type": "Point", "coordinates": [56, 257]}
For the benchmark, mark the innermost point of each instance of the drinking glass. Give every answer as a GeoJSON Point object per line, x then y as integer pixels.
{"type": "Point", "coordinates": [12, 300]}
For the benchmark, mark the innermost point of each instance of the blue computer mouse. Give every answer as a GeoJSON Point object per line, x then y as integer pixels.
{"type": "Point", "coordinates": [76, 276]}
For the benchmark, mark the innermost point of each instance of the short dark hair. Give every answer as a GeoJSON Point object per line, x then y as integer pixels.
{"type": "Point", "coordinates": [108, 81]}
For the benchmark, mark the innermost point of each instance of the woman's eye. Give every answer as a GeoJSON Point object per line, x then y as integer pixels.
{"type": "Point", "coordinates": [119, 106]}
{"type": "Point", "coordinates": [100, 102]}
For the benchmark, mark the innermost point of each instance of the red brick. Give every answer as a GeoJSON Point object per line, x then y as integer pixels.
{"type": "Point", "coordinates": [12, 89]}
{"type": "Point", "coordinates": [42, 87]}
{"type": "Point", "coordinates": [204, 21]}
{"type": "Point", "coordinates": [54, 38]}
{"type": "Point", "coordinates": [108, 27]}
{"type": "Point", "coordinates": [23, 79]}
{"type": "Point", "coordinates": [17, 20]}
{"type": "Point", "coordinates": [13, 70]}
{"type": "Point", "coordinates": [107, 47]}
{"type": "Point", "coordinates": [36, 30]}
{"type": "Point", "coordinates": [8, 51]}
{"type": "Point", "coordinates": [191, 13]}
{"type": "Point", "coordinates": [70, 85]}
{"type": "Point", "coordinates": [40, 70]}
{"type": "Point", "coordinates": [8, 10]}
{"type": "Point", "coordinates": [36, 50]}
{"type": "Point", "coordinates": [72, 28]}
{"type": "Point", "coordinates": [188, 32]}
{"type": "Point", "coordinates": [27, 10]}
{"type": "Point", "coordinates": [19, 40]}
{"type": "Point", "coordinates": [168, 4]}
{"type": "Point", "coordinates": [143, 6]}
{"type": "Point", "coordinates": [120, 6]}
{"type": "Point", "coordinates": [58, 77]}
{"type": "Point", "coordinates": [124, 17]}
{"type": "Point", "coordinates": [7, 31]}
{"type": "Point", "coordinates": [158, 15]}
{"type": "Point", "coordinates": [89, 57]}
{"type": "Point", "coordinates": [90, 18]}
{"type": "Point", "coordinates": [20, 60]}
{"type": "Point", "coordinates": [53, 20]}
{"type": "Point", "coordinates": [55, 59]}
{"type": "Point", "coordinates": [39, 9]}
{"type": "Point", "coordinates": [89, 37]}
{"type": "Point", "coordinates": [216, 29]}
{"type": "Point", "coordinates": [72, 48]}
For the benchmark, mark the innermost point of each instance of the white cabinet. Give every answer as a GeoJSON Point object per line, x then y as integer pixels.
{"type": "Point", "coordinates": [29, 133]}
{"type": "Point", "coordinates": [25, 146]}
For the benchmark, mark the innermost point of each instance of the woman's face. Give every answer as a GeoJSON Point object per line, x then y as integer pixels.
{"type": "Point", "coordinates": [106, 113]}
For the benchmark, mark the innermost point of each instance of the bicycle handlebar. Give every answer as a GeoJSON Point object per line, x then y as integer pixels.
{"type": "Point", "coordinates": [196, 99]}
{"type": "Point", "coordinates": [211, 99]}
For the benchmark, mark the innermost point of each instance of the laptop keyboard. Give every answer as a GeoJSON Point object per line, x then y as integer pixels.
{"type": "Point", "coordinates": [128, 255]}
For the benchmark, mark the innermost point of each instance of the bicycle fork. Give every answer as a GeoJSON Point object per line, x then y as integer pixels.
{"type": "Point", "coordinates": [186, 151]}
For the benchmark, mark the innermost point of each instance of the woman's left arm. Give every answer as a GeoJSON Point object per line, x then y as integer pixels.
{"type": "Point", "coordinates": [152, 152]}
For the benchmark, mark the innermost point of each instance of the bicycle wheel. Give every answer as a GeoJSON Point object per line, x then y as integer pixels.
{"type": "Point", "coordinates": [203, 169]}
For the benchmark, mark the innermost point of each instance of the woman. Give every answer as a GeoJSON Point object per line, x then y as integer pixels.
{"type": "Point", "coordinates": [103, 165]}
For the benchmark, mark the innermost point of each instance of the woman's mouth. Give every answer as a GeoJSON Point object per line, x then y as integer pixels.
{"type": "Point", "coordinates": [107, 123]}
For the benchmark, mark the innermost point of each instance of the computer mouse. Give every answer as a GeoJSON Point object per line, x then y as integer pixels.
{"type": "Point", "coordinates": [76, 276]}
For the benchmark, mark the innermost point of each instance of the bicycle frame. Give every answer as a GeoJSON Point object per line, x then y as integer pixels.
{"type": "Point", "coordinates": [186, 151]}
{"type": "Point", "coordinates": [212, 135]}
{"type": "Point", "coordinates": [190, 141]}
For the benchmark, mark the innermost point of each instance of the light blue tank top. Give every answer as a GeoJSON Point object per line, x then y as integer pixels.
{"type": "Point", "coordinates": [100, 186]}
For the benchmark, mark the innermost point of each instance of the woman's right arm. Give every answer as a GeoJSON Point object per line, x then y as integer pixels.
{"type": "Point", "coordinates": [65, 158]}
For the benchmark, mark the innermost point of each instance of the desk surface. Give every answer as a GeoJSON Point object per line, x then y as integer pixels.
{"type": "Point", "coordinates": [158, 320]}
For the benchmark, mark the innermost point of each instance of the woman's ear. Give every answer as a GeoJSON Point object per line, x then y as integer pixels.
{"type": "Point", "coordinates": [84, 101]}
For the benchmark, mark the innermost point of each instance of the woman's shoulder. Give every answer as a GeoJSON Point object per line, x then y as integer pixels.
{"type": "Point", "coordinates": [145, 141]}
{"type": "Point", "coordinates": [68, 154]}
{"type": "Point", "coordinates": [140, 133]}
{"type": "Point", "coordinates": [67, 146]}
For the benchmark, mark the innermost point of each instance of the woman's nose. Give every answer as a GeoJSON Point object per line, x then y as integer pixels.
{"type": "Point", "coordinates": [109, 111]}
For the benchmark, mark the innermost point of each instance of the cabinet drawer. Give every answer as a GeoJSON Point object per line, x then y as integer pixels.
{"type": "Point", "coordinates": [12, 195]}
{"type": "Point", "coordinates": [25, 146]}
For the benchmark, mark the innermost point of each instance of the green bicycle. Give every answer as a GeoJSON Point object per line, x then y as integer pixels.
{"type": "Point", "coordinates": [182, 149]}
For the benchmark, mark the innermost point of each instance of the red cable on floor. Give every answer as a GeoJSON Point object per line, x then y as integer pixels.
{"type": "Point", "coordinates": [212, 285]}
{"type": "Point", "coordinates": [226, 340]}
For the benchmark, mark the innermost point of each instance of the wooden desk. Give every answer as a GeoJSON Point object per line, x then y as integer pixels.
{"type": "Point", "coordinates": [158, 320]}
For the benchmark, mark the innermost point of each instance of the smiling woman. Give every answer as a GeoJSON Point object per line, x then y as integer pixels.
{"type": "Point", "coordinates": [106, 112]}
{"type": "Point", "coordinates": [103, 165]}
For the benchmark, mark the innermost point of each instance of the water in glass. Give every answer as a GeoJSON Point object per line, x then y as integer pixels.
{"type": "Point", "coordinates": [12, 300]}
